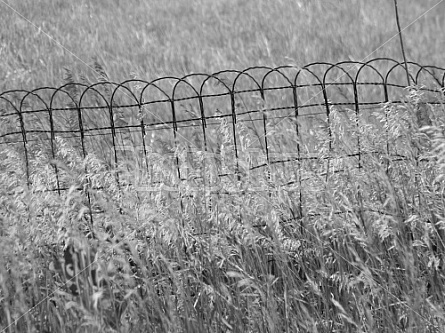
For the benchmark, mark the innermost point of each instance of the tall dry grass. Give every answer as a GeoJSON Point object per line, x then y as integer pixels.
{"type": "Point", "coordinates": [362, 251]}
{"type": "Point", "coordinates": [177, 37]}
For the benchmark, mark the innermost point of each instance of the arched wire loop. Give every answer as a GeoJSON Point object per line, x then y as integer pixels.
{"type": "Point", "coordinates": [361, 72]}
{"type": "Point", "coordinates": [232, 108]}
{"type": "Point", "coordinates": [415, 69]}
{"type": "Point", "coordinates": [277, 101]}
{"type": "Point", "coordinates": [219, 81]}
{"type": "Point", "coordinates": [380, 84]}
{"type": "Point", "coordinates": [84, 122]}
{"type": "Point", "coordinates": [192, 114]}
{"type": "Point", "coordinates": [156, 123]}
{"type": "Point", "coordinates": [364, 65]}
{"type": "Point", "coordinates": [15, 110]}
{"type": "Point", "coordinates": [126, 91]}
{"type": "Point", "coordinates": [228, 79]}
{"type": "Point", "coordinates": [196, 96]}
{"type": "Point", "coordinates": [72, 105]}
{"type": "Point", "coordinates": [33, 93]}
{"type": "Point", "coordinates": [241, 109]}
{"type": "Point", "coordinates": [377, 61]}
{"type": "Point", "coordinates": [134, 123]}
{"type": "Point", "coordinates": [283, 152]}
{"type": "Point", "coordinates": [276, 70]}
{"type": "Point", "coordinates": [306, 87]}
{"type": "Point", "coordinates": [287, 111]}
{"type": "Point", "coordinates": [430, 70]}
{"type": "Point", "coordinates": [69, 91]}
{"type": "Point", "coordinates": [51, 131]}
{"type": "Point", "coordinates": [246, 73]}
{"type": "Point", "coordinates": [286, 149]}
{"type": "Point", "coordinates": [216, 96]}
{"type": "Point", "coordinates": [325, 103]}
{"type": "Point", "coordinates": [427, 85]}
{"type": "Point", "coordinates": [343, 74]}
{"type": "Point", "coordinates": [88, 108]}
{"type": "Point", "coordinates": [306, 118]}
{"type": "Point", "coordinates": [158, 120]}
{"type": "Point", "coordinates": [128, 121]}
{"type": "Point", "coordinates": [391, 71]}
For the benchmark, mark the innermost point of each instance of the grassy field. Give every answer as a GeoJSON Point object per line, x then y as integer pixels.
{"type": "Point", "coordinates": [149, 39]}
{"type": "Point", "coordinates": [351, 239]}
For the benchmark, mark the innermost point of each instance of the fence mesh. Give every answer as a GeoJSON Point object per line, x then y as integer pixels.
{"type": "Point", "coordinates": [267, 125]}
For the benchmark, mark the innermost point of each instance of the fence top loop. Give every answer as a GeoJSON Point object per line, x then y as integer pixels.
{"type": "Point", "coordinates": [106, 91]}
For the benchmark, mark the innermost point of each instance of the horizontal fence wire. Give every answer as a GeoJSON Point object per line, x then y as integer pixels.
{"type": "Point", "coordinates": [286, 112]}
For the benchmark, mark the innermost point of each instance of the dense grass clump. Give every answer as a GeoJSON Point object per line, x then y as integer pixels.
{"type": "Point", "coordinates": [355, 245]}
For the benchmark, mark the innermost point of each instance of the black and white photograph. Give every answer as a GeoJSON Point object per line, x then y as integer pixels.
{"type": "Point", "coordinates": [222, 166]}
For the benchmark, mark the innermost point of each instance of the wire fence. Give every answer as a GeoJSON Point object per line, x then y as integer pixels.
{"type": "Point", "coordinates": [284, 113]}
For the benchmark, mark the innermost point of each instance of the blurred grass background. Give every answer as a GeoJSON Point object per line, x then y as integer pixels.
{"type": "Point", "coordinates": [150, 39]}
